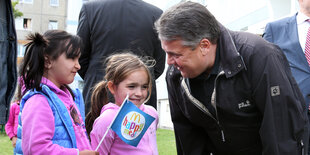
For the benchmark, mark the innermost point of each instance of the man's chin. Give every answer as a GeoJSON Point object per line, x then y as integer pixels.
{"type": "Point", "coordinates": [185, 75]}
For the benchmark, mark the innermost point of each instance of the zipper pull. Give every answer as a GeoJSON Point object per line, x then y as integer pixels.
{"type": "Point", "coordinates": [223, 137]}
{"type": "Point", "coordinates": [302, 147]}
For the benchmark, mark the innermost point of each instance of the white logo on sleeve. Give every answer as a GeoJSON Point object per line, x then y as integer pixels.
{"type": "Point", "coordinates": [275, 91]}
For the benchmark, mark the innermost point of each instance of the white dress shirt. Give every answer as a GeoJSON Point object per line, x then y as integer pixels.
{"type": "Point", "coordinates": [302, 26]}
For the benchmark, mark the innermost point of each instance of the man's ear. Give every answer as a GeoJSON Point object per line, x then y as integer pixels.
{"type": "Point", "coordinates": [47, 62]}
{"type": "Point", "coordinates": [204, 46]}
{"type": "Point", "coordinates": [111, 87]}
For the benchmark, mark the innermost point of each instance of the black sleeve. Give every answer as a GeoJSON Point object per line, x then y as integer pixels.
{"type": "Point", "coordinates": [159, 54]}
{"type": "Point", "coordinates": [284, 128]}
{"type": "Point", "coordinates": [83, 31]}
{"type": "Point", "coordinates": [160, 57]}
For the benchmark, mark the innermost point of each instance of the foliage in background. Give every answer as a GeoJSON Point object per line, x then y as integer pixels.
{"type": "Point", "coordinates": [16, 12]}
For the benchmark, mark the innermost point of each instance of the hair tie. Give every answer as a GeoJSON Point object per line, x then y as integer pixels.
{"type": "Point", "coordinates": [148, 61]}
{"type": "Point", "coordinates": [38, 39]}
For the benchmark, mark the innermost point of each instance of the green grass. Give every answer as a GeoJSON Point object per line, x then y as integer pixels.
{"type": "Point", "coordinates": [5, 145]}
{"type": "Point", "coordinates": [165, 143]}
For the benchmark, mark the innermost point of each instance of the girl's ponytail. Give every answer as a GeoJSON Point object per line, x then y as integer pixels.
{"type": "Point", "coordinates": [32, 68]}
{"type": "Point", "coordinates": [98, 99]}
{"type": "Point", "coordinates": [37, 39]}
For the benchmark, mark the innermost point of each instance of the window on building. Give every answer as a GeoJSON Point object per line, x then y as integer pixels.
{"type": "Point", "coordinates": [21, 50]}
{"type": "Point", "coordinates": [26, 1]}
{"type": "Point", "coordinates": [23, 23]}
{"type": "Point", "coordinates": [52, 25]}
{"type": "Point", "coordinates": [27, 23]}
{"type": "Point", "coordinates": [54, 2]}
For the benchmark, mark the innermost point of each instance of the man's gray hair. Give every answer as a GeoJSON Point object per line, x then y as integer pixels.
{"type": "Point", "coordinates": [189, 22]}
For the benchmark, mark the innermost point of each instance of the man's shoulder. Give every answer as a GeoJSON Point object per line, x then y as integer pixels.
{"type": "Point", "coordinates": [153, 7]}
{"type": "Point", "coordinates": [148, 8]}
{"type": "Point", "coordinates": [282, 21]}
{"type": "Point", "coordinates": [121, 4]}
{"type": "Point", "coordinates": [91, 6]}
{"type": "Point", "coordinates": [251, 45]}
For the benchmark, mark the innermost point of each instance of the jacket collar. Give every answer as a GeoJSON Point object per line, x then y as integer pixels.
{"type": "Point", "coordinates": [291, 29]}
{"type": "Point", "coordinates": [231, 61]}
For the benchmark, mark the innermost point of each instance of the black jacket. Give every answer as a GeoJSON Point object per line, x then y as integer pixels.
{"type": "Point", "coordinates": [259, 108]}
{"type": "Point", "coordinates": [8, 77]}
{"type": "Point", "coordinates": [110, 26]}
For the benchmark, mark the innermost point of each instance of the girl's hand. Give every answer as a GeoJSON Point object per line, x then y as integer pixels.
{"type": "Point", "coordinates": [88, 152]}
{"type": "Point", "coordinates": [14, 139]}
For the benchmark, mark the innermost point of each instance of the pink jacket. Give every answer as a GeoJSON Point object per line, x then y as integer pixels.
{"type": "Point", "coordinates": [38, 125]}
{"type": "Point", "coordinates": [11, 125]}
{"type": "Point", "coordinates": [112, 144]}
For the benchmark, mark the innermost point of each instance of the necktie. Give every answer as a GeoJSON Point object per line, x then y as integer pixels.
{"type": "Point", "coordinates": [307, 51]}
{"type": "Point", "coordinates": [307, 47]}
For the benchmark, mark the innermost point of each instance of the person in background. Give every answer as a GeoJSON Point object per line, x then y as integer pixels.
{"type": "Point", "coordinates": [229, 92]}
{"type": "Point", "coordinates": [8, 57]}
{"type": "Point", "coordinates": [125, 74]}
{"type": "Point", "coordinates": [291, 35]}
{"type": "Point", "coordinates": [111, 26]}
{"type": "Point", "coordinates": [46, 125]}
{"type": "Point", "coordinates": [11, 125]}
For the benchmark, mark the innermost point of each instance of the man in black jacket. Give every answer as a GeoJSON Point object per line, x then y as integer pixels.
{"type": "Point", "coordinates": [229, 92]}
{"type": "Point", "coordinates": [111, 26]}
{"type": "Point", "coordinates": [8, 50]}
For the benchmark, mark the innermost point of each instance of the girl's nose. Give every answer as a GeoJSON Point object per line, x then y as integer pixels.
{"type": "Point", "coordinates": [138, 92]}
{"type": "Point", "coordinates": [77, 65]}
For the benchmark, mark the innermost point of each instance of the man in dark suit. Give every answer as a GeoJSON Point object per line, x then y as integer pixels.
{"type": "Point", "coordinates": [290, 35]}
{"type": "Point", "coordinates": [111, 26]}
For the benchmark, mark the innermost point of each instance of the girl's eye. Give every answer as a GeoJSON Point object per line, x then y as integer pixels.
{"type": "Point", "coordinates": [145, 87]}
{"type": "Point", "coordinates": [131, 86]}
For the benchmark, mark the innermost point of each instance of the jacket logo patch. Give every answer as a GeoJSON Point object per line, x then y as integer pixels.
{"type": "Point", "coordinates": [244, 104]}
{"type": "Point", "coordinates": [275, 91]}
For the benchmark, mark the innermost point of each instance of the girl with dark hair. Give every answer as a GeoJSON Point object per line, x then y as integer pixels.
{"type": "Point", "coordinates": [46, 121]}
{"type": "Point", "coordinates": [125, 74]}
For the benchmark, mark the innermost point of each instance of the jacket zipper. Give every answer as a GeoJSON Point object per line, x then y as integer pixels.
{"type": "Point", "coordinates": [197, 103]}
{"type": "Point", "coordinates": [302, 147]}
{"type": "Point", "coordinates": [213, 103]}
{"type": "Point", "coordinates": [200, 106]}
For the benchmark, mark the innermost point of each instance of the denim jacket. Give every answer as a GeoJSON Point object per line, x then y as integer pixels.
{"type": "Point", "coordinates": [8, 50]}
